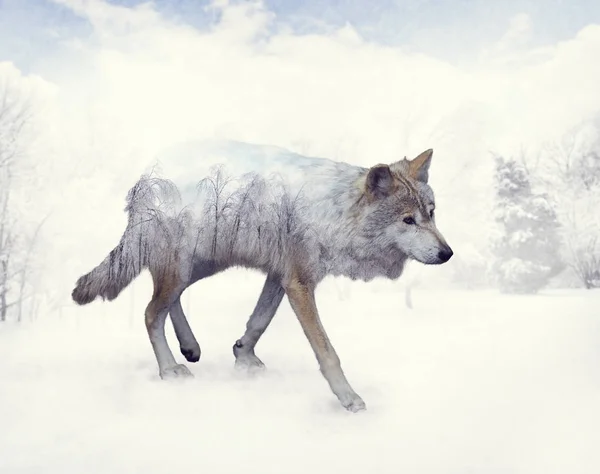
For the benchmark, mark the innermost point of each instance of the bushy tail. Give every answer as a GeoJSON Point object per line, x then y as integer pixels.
{"type": "Point", "coordinates": [112, 276]}
{"type": "Point", "coordinates": [149, 203]}
{"type": "Point", "coordinates": [125, 262]}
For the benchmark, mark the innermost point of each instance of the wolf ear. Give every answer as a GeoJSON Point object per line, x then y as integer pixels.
{"type": "Point", "coordinates": [380, 182]}
{"type": "Point", "coordinates": [418, 168]}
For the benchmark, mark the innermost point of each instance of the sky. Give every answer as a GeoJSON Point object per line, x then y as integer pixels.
{"type": "Point", "coordinates": [112, 83]}
{"type": "Point", "coordinates": [494, 52]}
{"type": "Point", "coordinates": [449, 29]}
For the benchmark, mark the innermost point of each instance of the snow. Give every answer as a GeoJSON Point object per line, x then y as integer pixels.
{"type": "Point", "coordinates": [466, 382]}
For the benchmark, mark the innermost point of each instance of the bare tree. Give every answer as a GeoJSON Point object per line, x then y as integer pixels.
{"type": "Point", "coordinates": [26, 269]}
{"type": "Point", "coordinates": [15, 247]}
{"type": "Point", "coordinates": [570, 170]}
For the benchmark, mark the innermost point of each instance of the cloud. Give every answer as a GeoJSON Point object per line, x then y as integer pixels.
{"type": "Point", "coordinates": [251, 77]}
{"type": "Point", "coordinates": [233, 79]}
{"type": "Point", "coordinates": [518, 33]}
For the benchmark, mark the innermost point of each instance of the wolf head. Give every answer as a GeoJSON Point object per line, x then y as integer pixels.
{"type": "Point", "coordinates": [400, 209]}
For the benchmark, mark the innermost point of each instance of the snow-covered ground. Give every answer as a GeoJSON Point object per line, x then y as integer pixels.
{"type": "Point", "coordinates": [466, 382]}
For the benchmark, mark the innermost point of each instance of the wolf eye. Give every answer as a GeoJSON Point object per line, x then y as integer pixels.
{"type": "Point", "coordinates": [409, 220]}
{"type": "Point", "coordinates": [431, 213]}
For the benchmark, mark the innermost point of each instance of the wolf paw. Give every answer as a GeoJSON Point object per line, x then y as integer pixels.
{"type": "Point", "coordinates": [191, 354]}
{"type": "Point", "coordinates": [353, 404]}
{"type": "Point", "coordinates": [175, 372]}
{"type": "Point", "coordinates": [246, 360]}
{"type": "Point", "coordinates": [249, 362]}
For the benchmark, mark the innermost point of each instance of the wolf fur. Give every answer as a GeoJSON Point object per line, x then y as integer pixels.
{"type": "Point", "coordinates": [295, 218]}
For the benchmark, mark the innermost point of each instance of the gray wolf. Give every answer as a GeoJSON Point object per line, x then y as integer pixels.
{"type": "Point", "coordinates": [295, 218]}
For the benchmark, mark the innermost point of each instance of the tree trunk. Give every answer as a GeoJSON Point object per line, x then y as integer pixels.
{"type": "Point", "coordinates": [408, 296]}
{"type": "Point", "coordinates": [3, 289]}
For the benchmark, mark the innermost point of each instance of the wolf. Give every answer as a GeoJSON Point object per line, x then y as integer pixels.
{"type": "Point", "coordinates": [295, 218]}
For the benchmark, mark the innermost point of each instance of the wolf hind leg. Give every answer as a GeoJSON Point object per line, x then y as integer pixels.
{"type": "Point", "coordinates": [188, 345]}
{"type": "Point", "coordinates": [187, 341]}
{"type": "Point", "coordinates": [167, 288]}
{"type": "Point", "coordinates": [264, 311]}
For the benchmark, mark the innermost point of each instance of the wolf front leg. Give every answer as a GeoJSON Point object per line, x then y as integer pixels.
{"type": "Point", "coordinates": [302, 301]}
{"type": "Point", "coordinates": [187, 341]}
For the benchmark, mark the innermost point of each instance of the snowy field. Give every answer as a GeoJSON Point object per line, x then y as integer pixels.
{"type": "Point", "coordinates": [466, 382]}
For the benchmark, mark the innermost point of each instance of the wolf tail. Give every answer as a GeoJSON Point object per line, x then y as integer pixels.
{"type": "Point", "coordinates": [113, 274]}
{"type": "Point", "coordinates": [127, 260]}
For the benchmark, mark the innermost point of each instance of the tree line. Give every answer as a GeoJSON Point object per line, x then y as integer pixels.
{"type": "Point", "coordinates": [547, 215]}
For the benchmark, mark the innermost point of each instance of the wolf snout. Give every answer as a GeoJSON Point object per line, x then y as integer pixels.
{"type": "Point", "coordinates": [445, 254]}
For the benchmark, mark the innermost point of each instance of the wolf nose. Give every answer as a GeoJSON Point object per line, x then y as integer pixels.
{"type": "Point", "coordinates": [445, 254]}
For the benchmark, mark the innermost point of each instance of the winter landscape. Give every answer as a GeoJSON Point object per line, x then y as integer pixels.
{"type": "Point", "coordinates": [486, 364]}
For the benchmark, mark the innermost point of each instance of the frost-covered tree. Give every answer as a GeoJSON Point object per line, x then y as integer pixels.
{"type": "Point", "coordinates": [17, 243]}
{"type": "Point", "coordinates": [583, 247]}
{"type": "Point", "coordinates": [527, 244]}
{"type": "Point", "coordinates": [12, 119]}
{"type": "Point", "coordinates": [571, 174]}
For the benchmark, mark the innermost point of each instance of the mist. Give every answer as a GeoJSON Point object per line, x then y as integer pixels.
{"type": "Point", "coordinates": [461, 370]}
